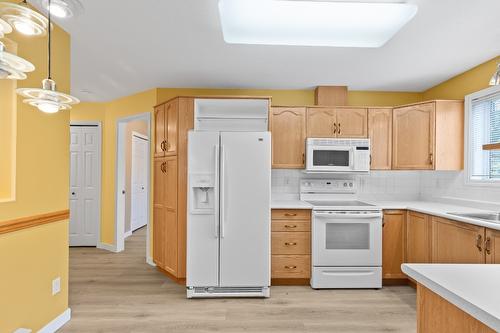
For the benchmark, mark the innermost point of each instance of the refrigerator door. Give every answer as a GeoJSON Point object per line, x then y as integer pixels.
{"type": "Point", "coordinates": [203, 204]}
{"type": "Point", "coordinates": [245, 181]}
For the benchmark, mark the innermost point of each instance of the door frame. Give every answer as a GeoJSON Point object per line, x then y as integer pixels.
{"type": "Point", "coordinates": [147, 139]}
{"type": "Point", "coordinates": [120, 181]}
{"type": "Point", "coordinates": [97, 124]}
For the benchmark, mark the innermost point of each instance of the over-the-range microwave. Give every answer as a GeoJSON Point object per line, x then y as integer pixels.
{"type": "Point", "coordinates": [338, 155]}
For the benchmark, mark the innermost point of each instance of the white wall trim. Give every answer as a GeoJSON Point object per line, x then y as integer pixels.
{"type": "Point", "coordinates": [150, 261]}
{"type": "Point", "coordinates": [107, 247]}
{"type": "Point", "coordinates": [57, 323]}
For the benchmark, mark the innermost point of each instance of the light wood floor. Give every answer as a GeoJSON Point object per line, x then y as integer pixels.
{"type": "Point", "coordinates": [121, 293]}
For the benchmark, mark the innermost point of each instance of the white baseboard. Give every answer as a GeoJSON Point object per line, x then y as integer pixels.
{"type": "Point", "coordinates": [150, 261]}
{"type": "Point", "coordinates": [107, 247]}
{"type": "Point", "coordinates": [57, 323]}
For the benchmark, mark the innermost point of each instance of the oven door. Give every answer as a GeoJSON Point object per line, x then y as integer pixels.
{"type": "Point", "coordinates": [330, 158]}
{"type": "Point", "coordinates": [347, 238]}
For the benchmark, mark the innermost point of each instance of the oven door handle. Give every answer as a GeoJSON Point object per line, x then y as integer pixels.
{"type": "Point", "coordinates": [336, 216]}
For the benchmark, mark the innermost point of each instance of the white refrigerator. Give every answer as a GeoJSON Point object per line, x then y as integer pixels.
{"type": "Point", "coordinates": [228, 227]}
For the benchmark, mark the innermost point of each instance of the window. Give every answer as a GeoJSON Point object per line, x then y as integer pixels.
{"type": "Point", "coordinates": [483, 119]}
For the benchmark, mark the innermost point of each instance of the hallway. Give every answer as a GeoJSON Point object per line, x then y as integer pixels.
{"type": "Point", "coordinates": [120, 292]}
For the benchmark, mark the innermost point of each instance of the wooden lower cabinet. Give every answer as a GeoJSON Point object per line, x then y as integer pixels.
{"type": "Point", "coordinates": [393, 244]}
{"type": "Point", "coordinates": [455, 242]}
{"type": "Point", "coordinates": [492, 246]}
{"type": "Point", "coordinates": [418, 238]}
{"type": "Point", "coordinates": [290, 246]}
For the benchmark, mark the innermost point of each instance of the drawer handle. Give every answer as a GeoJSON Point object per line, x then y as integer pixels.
{"type": "Point", "coordinates": [290, 267]}
{"type": "Point", "coordinates": [290, 214]}
{"type": "Point", "coordinates": [290, 243]}
{"type": "Point", "coordinates": [290, 226]}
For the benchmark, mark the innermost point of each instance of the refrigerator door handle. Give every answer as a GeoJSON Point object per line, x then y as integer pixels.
{"type": "Point", "coordinates": [222, 190]}
{"type": "Point", "coordinates": [216, 191]}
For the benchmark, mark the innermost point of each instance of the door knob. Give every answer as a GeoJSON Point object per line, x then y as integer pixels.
{"type": "Point", "coordinates": [123, 191]}
{"type": "Point", "coordinates": [73, 193]}
{"type": "Point", "coordinates": [142, 188]}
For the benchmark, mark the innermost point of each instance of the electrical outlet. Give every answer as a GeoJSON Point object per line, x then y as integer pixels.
{"type": "Point", "coordinates": [56, 286]}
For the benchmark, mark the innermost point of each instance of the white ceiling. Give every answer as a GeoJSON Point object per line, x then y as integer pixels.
{"type": "Point", "coordinates": [120, 47]}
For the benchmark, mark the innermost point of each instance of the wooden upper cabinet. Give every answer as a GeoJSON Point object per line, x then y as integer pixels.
{"type": "Point", "coordinates": [428, 136]}
{"type": "Point", "coordinates": [288, 129]}
{"type": "Point", "coordinates": [380, 134]}
{"type": "Point", "coordinates": [418, 238]}
{"type": "Point", "coordinates": [455, 242]}
{"type": "Point", "coordinates": [393, 244]}
{"type": "Point", "coordinates": [321, 122]}
{"type": "Point", "coordinates": [413, 137]}
{"type": "Point", "coordinates": [492, 246]}
{"type": "Point", "coordinates": [160, 131]}
{"type": "Point", "coordinates": [171, 116]}
{"type": "Point", "coordinates": [352, 123]}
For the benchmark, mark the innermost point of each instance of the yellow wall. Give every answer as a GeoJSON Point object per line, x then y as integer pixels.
{"type": "Point", "coordinates": [8, 119]}
{"type": "Point", "coordinates": [31, 258]}
{"type": "Point", "coordinates": [466, 83]}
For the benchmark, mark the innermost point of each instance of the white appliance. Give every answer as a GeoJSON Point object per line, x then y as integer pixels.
{"type": "Point", "coordinates": [228, 227]}
{"type": "Point", "coordinates": [338, 155]}
{"type": "Point", "coordinates": [346, 236]}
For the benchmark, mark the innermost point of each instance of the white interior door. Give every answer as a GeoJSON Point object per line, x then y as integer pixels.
{"type": "Point", "coordinates": [84, 186]}
{"type": "Point", "coordinates": [245, 191]}
{"type": "Point", "coordinates": [139, 182]}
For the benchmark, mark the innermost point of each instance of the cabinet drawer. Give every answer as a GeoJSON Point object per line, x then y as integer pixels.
{"type": "Point", "coordinates": [291, 214]}
{"type": "Point", "coordinates": [291, 243]}
{"type": "Point", "coordinates": [291, 226]}
{"type": "Point", "coordinates": [297, 266]}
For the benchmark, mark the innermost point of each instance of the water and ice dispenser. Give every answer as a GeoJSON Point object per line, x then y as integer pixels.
{"type": "Point", "coordinates": [202, 188]}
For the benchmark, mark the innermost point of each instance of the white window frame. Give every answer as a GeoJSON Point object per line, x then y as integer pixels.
{"type": "Point", "coordinates": [467, 133]}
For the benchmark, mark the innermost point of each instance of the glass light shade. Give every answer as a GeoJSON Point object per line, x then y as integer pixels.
{"type": "Point", "coordinates": [12, 66]}
{"type": "Point", "coordinates": [312, 23]}
{"type": "Point", "coordinates": [23, 19]}
{"type": "Point", "coordinates": [495, 79]}
{"type": "Point", "coordinates": [5, 28]}
{"type": "Point", "coordinates": [63, 8]}
{"type": "Point", "coordinates": [47, 99]}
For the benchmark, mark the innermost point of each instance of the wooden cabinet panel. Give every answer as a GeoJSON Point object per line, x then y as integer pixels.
{"type": "Point", "coordinates": [413, 137]}
{"type": "Point", "coordinates": [291, 225]}
{"type": "Point", "coordinates": [393, 244]}
{"type": "Point", "coordinates": [418, 234]}
{"type": "Point", "coordinates": [291, 243]}
{"type": "Point", "coordinates": [492, 246]}
{"type": "Point", "coordinates": [290, 266]}
{"type": "Point", "coordinates": [171, 114]}
{"type": "Point", "coordinates": [455, 242]}
{"type": "Point", "coordinates": [352, 122]}
{"type": "Point", "coordinates": [288, 130]}
{"type": "Point", "coordinates": [170, 176]}
{"type": "Point", "coordinates": [380, 134]}
{"type": "Point", "coordinates": [321, 122]}
{"type": "Point", "coordinates": [291, 214]}
{"type": "Point", "coordinates": [159, 130]}
{"type": "Point", "coordinates": [159, 213]}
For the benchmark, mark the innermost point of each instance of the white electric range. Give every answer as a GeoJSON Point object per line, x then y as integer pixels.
{"type": "Point", "coordinates": [346, 235]}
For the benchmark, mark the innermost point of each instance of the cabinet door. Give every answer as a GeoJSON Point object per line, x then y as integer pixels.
{"type": "Point", "coordinates": [413, 137]}
{"type": "Point", "coordinates": [171, 116]}
{"type": "Point", "coordinates": [352, 123]}
{"type": "Point", "coordinates": [160, 131]}
{"type": "Point", "coordinates": [492, 246]}
{"type": "Point", "coordinates": [455, 242]}
{"type": "Point", "coordinates": [159, 212]}
{"type": "Point", "coordinates": [418, 243]}
{"type": "Point", "coordinates": [393, 244]}
{"type": "Point", "coordinates": [170, 204]}
{"type": "Point", "coordinates": [320, 123]}
{"type": "Point", "coordinates": [380, 134]}
{"type": "Point", "coordinates": [288, 129]}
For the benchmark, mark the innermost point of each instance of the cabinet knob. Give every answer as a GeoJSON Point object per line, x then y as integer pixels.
{"type": "Point", "coordinates": [291, 267]}
{"type": "Point", "coordinates": [487, 245]}
{"type": "Point", "coordinates": [479, 242]}
{"type": "Point", "coordinates": [290, 243]}
{"type": "Point", "coordinates": [290, 214]}
{"type": "Point", "coordinates": [340, 131]}
{"type": "Point", "coordinates": [334, 128]}
{"type": "Point", "coordinates": [288, 226]}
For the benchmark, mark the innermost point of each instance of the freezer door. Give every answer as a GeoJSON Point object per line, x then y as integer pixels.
{"type": "Point", "coordinates": [245, 181]}
{"type": "Point", "coordinates": [202, 215]}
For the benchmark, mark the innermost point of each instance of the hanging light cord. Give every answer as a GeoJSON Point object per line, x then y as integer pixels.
{"type": "Point", "coordinates": [50, 41]}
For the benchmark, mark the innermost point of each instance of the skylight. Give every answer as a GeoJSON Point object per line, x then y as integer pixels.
{"type": "Point", "coordinates": [312, 23]}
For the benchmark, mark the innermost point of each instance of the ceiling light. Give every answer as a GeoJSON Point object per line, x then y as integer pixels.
{"type": "Point", "coordinates": [11, 66]}
{"type": "Point", "coordinates": [48, 99]}
{"type": "Point", "coordinates": [5, 28]}
{"type": "Point", "coordinates": [63, 8]}
{"type": "Point", "coordinates": [495, 79]}
{"type": "Point", "coordinates": [312, 23]}
{"type": "Point", "coordinates": [24, 19]}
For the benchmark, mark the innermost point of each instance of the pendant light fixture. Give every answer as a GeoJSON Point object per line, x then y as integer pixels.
{"type": "Point", "coordinates": [63, 8]}
{"type": "Point", "coordinates": [11, 66]}
{"type": "Point", "coordinates": [495, 79]}
{"type": "Point", "coordinates": [47, 99]}
{"type": "Point", "coordinates": [23, 19]}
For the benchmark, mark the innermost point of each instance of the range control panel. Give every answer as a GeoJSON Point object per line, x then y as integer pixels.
{"type": "Point", "coordinates": [328, 186]}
